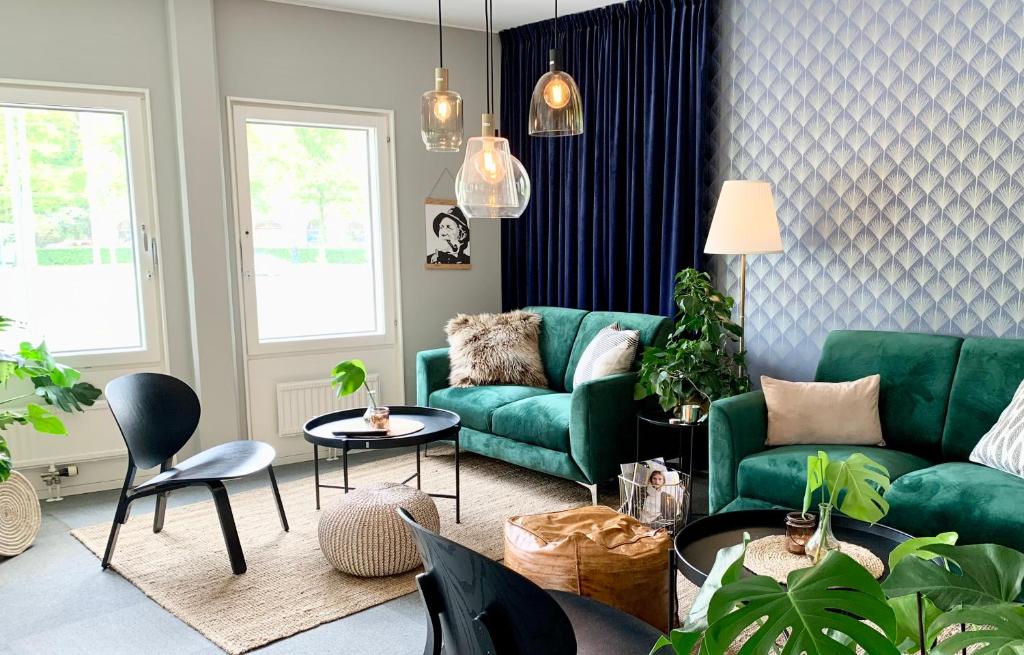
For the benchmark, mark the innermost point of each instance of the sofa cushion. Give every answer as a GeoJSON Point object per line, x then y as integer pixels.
{"type": "Point", "coordinates": [981, 504]}
{"type": "Point", "coordinates": [490, 349]}
{"type": "Point", "coordinates": [654, 330]}
{"type": "Point", "coordinates": [795, 413]}
{"type": "Point", "coordinates": [779, 475]}
{"type": "Point", "coordinates": [917, 373]}
{"type": "Point", "coordinates": [987, 375]}
{"type": "Point", "coordinates": [476, 404]}
{"type": "Point", "coordinates": [558, 328]}
{"type": "Point", "coordinates": [540, 420]}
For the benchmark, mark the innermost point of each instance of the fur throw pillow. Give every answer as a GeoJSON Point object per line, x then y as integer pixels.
{"type": "Point", "coordinates": [495, 349]}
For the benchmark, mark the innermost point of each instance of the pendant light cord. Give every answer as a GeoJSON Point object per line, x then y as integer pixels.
{"type": "Point", "coordinates": [554, 27]}
{"type": "Point", "coordinates": [490, 44]}
{"type": "Point", "coordinates": [488, 57]}
{"type": "Point", "coordinates": [440, 37]}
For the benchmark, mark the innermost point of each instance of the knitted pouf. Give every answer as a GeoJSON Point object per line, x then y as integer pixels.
{"type": "Point", "coordinates": [362, 534]}
{"type": "Point", "coordinates": [19, 515]}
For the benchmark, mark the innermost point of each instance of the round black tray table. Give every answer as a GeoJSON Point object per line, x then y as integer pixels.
{"type": "Point", "coordinates": [697, 544]}
{"type": "Point", "coordinates": [438, 425]}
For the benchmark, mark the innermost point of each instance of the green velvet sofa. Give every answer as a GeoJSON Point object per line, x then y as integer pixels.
{"type": "Point", "coordinates": [582, 433]}
{"type": "Point", "coordinates": [939, 395]}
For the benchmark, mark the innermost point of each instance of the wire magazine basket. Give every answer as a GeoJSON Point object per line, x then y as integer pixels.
{"type": "Point", "coordinates": [657, 502]}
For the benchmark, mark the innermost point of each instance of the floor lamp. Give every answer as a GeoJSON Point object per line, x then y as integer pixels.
{"type": "Point", "coordinates": [744, 224]}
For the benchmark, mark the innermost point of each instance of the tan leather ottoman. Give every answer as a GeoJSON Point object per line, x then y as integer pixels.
{"type": "Point", "coordinates": [594, 552]}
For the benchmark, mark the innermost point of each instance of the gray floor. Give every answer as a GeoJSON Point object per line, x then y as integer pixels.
{"type": "Point", "coordinates": [54, 598]}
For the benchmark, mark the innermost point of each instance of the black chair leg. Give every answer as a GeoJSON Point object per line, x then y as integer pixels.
{"type": "Point", "coordinates": [115, 529]}
{"type": "Point", "coordinates": [120, 517]}
{"type": "Point", "coordinates": [227, 526]}
{"type": "Point", "coordinates": [158, 513]}
{"type": "Point", "coordinates": [429, 595]}
{"type": "Point", "coordinates": [277, 497]}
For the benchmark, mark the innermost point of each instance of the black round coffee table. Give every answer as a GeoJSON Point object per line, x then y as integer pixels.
{"type": "Point", "coordinates": [438, 425]}
{"type": "Point", "coordinates": [697, 544]}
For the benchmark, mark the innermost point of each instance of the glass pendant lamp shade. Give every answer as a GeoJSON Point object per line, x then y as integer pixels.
{"type": "Point", "coordinates": [491, 183]}
{"type": "Point", "coordinates": [441, 116]}
{"type": "Point", "coordinates": [556, 108]}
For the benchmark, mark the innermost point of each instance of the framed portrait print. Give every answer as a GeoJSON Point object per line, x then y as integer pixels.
{"type": "Point", "coordinates": [447, 232]}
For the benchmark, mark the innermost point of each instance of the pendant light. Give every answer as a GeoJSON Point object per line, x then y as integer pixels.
{"type": "Point", "coordinates": [556, 108]}
{"type": "Point", "coordinates": [441, 109]}
{"type": "Point", "coordinates": [491, 183]}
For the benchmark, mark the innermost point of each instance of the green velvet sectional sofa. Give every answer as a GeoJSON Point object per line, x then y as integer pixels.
{"type": "Point", "coordinates": [939, 395]}
{"type": "Point", "coordinates": [582, 433]}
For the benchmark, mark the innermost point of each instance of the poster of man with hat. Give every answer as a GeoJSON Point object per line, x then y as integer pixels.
{"type": "Point", "coordinates": [447, 232]}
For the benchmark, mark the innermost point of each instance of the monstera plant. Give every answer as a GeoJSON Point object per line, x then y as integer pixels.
{"type": "Point", "coordinates": [939, 598]}
{"type": "Point", "coordinates": [935, 596]}
{"type": "Point", "coordinates": [854, 485]}
{"type": "Point", "coordinates": [52, 385]}
{"type": "Point", "coordinates": [698, 364]}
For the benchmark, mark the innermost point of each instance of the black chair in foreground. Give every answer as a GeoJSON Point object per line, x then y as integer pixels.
{"type": "Point", "coordinates": [479, 607]}
{"type": "Point", "coordinates": [157, 415]}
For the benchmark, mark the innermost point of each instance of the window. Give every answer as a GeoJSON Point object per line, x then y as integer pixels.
{"type": "Point", "coordinates": [75, 208]}
{"type": "Point", "coordinates": [315, 251]}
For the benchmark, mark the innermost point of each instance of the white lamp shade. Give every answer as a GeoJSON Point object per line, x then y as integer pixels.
{"type": "Point", "coordinates": [745, 222]}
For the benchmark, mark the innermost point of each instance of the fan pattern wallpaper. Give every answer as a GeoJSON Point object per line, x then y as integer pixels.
{"type": "Point", "coordinates": [892, 132]}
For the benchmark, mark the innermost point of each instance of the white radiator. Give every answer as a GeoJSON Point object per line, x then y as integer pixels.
{"type": "Point", "coordinates": [297, 402]}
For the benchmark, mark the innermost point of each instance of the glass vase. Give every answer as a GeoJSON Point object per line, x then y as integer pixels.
{"type": "Point", "coordinates": [822, 542]}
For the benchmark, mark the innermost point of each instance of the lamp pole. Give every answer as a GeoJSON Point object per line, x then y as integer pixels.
{"type": "Point", "coordinates": [743, 298]}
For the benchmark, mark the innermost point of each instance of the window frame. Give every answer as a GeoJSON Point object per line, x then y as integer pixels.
{"type": "Point", "coordinates": [384, 229]}
{"type": "Point", "coordinates": [134, 105]}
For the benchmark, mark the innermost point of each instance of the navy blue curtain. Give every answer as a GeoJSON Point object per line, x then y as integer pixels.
{"type": "Point", "coordinates": [616, 211]}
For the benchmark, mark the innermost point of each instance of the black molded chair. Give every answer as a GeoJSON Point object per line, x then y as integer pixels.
{"type": "Point", "coordinates": [157, 415]}
{"type": "Point", "coordinates": [480, 607]}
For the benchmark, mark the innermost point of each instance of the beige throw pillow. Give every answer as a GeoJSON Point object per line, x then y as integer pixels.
{"type": "Point", "coordinates": [823, 412]}
{"type": "Point", "coordinates": [495, 349]}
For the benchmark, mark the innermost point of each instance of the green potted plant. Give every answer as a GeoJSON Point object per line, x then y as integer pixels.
{"type": "Point", "coordinates": [699, 363]}
{"type": "Point", "coordinates": [52, 383]}
{"type": "Point", "coordinates": [939, 598]}
{"type": "Point", "coordinates": [854, 486]}
{"type": "Point", "coordinates": [346, 378]}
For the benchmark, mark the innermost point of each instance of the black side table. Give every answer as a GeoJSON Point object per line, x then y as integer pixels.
{"type": "Point", "coordinates": [648, 425]}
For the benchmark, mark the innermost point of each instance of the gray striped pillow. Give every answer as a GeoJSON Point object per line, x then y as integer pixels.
{"type": "Point", "coordinates": [1002, 447]}
{"type": "Point", "coordinates": [611, 351]}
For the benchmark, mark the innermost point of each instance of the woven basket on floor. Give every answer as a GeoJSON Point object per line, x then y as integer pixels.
{"type": "Point", "coordinates": [362, 534]}
{"type": "Point", "coordinates": [19, 515]}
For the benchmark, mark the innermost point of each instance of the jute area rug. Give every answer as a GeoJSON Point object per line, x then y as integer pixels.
{"type": "Point", "coordinates": [289, 586]}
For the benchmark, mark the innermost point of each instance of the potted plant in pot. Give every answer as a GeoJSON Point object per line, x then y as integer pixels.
{"type": "Point", "coordinates": [698, 364]}
{"type": "Point", "coordinates": [348, 377]}
{"type": "Point", "coordinates": [45, 383]}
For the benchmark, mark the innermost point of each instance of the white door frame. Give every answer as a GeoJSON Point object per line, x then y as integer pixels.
{"type": "Point", "coordinates": [387, 241]}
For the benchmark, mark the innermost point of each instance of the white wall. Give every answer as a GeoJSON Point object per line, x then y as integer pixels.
{"type": "Point", "coordinates": [191, 54]}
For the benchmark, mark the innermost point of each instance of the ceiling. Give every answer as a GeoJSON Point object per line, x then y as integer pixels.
{"type": "Point", "coordinates": [467, 14]}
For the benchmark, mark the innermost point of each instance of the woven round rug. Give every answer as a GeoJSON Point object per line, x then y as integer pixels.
{"type": "Point", "coordinates": [768, 556]}
{"type": "Point", "coordinates": [19, 515]}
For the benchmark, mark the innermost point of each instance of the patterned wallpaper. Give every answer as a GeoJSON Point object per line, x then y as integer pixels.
{"type": "Point", "coordinates": [893, 134]}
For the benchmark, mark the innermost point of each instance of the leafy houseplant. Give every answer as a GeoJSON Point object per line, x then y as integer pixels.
{"type": "Point", "coordinates": [348, 376]}
{"type": "Point", "coordinates": [853, 486]}
{"type": "Point", "coordinates": [696, 366]}
{"type": "Point", "coordinates": [825, 609]}
{"type": "Point", "coordinates": [52, 382]}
